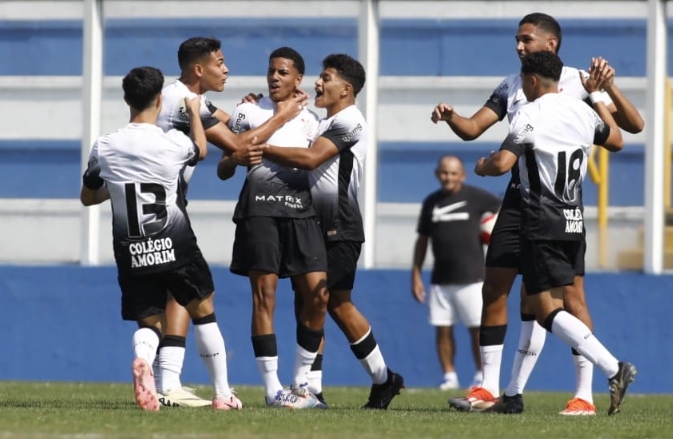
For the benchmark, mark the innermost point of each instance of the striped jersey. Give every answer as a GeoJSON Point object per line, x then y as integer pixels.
{"type": "Point", "coordinates": [140, 164]}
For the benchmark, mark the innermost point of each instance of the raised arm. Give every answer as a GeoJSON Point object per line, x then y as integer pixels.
{"type": "Point", "coordinates": [197, 132]}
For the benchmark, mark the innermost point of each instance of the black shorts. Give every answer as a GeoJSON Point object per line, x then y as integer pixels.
{"type": "Point", "coordinates": [342, 263]}
{"type": "Point", "coordinates": [284, 246]}
{"type": "Point", "coordinates": [145, 296]}
{"type": "Point", "coordinates": [503, 249]}
{"type": "Point", "coordinates": [549, 264]}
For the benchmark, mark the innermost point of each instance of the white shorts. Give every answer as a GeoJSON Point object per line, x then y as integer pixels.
{"type": "Point", "coordinates": [449, 304]}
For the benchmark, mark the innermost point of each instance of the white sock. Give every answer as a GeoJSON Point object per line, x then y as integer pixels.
{"type": "Point", "coordinates": [303, 361]}
{"type": "Point", "coordinates": [491, 358]}
{"type": "Point", "coordinates": [171, 359]}
{"type": "Point", "coordinates": [145, 344]}
{"type": "Point", "coordinates": [156, 371]}
{"type": "Point", "coordinates": [268, 369]}
{"type": "Point", "coordinates": [577, 335]}
{"type": "Point", "coordinates": [584, 373]}
{"type": "Point", "coordinates": [374, 363]}
{"type": "Point", "coordinates": [210, 344]}
{"type": "Point", "coordinates": [315, 381]}
{"type": "Point", "coordinates": [531, 342]}
{"type": "Point", "coordinates": [451, 376]}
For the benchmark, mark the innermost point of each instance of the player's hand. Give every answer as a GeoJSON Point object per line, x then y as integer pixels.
{"type": "Point", "coordinates": [442, 112]}
{"type": "Point", "coordinates": [193, 105]}
{"type": "Point", "coordinates": [251, 98]}
{"type": "Point", "coordinates": [479, 166]}
{"type": "Point", "coordinates": [248, 155]}
{"type": "Point", "coordinates": [418, 291]}
{"type": "Point", "coordinates": [293, 106]}
{"type": "Point", "coordinates": [599, 73]}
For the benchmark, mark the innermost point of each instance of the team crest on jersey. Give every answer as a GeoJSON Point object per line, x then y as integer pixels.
{"type": "Point", "coordinates": [523, 133]}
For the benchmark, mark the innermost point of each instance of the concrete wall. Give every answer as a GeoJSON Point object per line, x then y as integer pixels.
{"type": "Point", "coordinates": [63, 323]}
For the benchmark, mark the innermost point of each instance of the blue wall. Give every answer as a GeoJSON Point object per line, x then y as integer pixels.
{"type": "Point", "coordinates": [408, 47]}
{"type": "Point", "coordinates": [39, 169]}
{"type": "Point", "coordinates": [63, 323]}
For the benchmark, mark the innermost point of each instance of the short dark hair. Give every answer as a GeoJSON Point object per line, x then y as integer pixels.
{"type": "Point", "coordinates": [291, 54]}
{"type": "Point", "coordinates": [545, 22]}
{"type": "Point", "coordinates": [545, 64]}
{"type": "Point", "coordinates": [196, 48]}
{"type": "Point", "coordinates": [141, 87]}
{"type": "Point", "coordinates": [348, 68]}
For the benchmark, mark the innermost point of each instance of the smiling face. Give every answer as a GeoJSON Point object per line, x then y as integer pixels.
{"type": "Point", "coordinates": [283, 79]}
{"type": "Point", "coordinates": [450, 174]}
{"type": "Point", "coordinates": [531, 38]}
{"type": "Point", "coordinates": [212, 72]}
{"type": "Point", "coordinates": [330, 88]}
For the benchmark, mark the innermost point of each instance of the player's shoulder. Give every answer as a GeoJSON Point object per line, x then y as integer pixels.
{"type": "Point", "coordinates": [174, 92]}
{"type": "Point", "coordinates": [508, 84]}
{"type": "Point", "coordinates": [433, 197]}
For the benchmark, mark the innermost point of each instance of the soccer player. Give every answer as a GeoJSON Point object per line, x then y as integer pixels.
{"type": "Point", "coordinates": [336, 160]}
{"type": "Point", "coordinates": [550, 139]}
{"type": "Point", "coordinates": [278, 236]}
{"type": "Point", "coordinates": [450, 219]}
{"type": "Point", "coordinates": [138, 168]}
{"type": "Point", "coordinates": [537, 32]}
{"type": "Point", "coordinates": [202, 70]}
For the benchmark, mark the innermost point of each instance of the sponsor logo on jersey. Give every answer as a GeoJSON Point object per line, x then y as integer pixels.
{"type": "Point", "coordinates": [352, 133]}
{"type": "Point", "coordinates": [574, 220]}
{"type": "Point", "coordinates": [523, 133]}
{"type": "Point", "coordinates": [239, 121]}
{"type": "Point", "coordinates": [152, 252]}
{"type": "Point", "coordinates": [441, 214]}
{"type": "Point", "coordinates": [285, 200]}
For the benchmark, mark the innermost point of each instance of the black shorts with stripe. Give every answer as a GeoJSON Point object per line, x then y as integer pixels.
{"type": "Point", "coordinates": [284, 246]}
{"type": "Point", "coordinates": [503, 249]}
{"type": "Point", "coordinates": [144, 296]}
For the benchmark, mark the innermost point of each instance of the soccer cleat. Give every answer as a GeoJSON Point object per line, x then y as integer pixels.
{"type": "Point", "coordinates": [449, 385]}
{"type": "Point", "coordinates": [381, 395]}
{"type": "Point", "coordinates": [227, 403]}
{"type": "Point", "coordinates": [579, 407]}
{"type": "Point", "coordinates": [510, 405]}
{"type": "Point", "coordinates": [321, 398]}
{"type": "Point", "coordinates": [296, 399]}
{"type": "Point", "coordinates": [143, 385]}
{"type": "Point", "coordinates": [477, 399]}
{"type": "Point", "coordinates": [182, 397]}
{"type": "Point", "coordinates": [618, 385]}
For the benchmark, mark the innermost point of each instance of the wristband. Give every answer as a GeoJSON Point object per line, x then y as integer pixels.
{"type": "Point", "coordinates": [596, 97]}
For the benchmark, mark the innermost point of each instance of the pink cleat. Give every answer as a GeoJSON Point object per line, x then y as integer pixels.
{"type": "Point", "coordinates": [227, 403]}
{"type": "Point", "coordinates": [143, 385]}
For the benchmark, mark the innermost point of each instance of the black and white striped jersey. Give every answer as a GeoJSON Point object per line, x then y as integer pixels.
{"type": "Point", "coordinates": [271, 189]}
{"type": "Point", "coordinates": [335, 183]}
{"type": "Point", "coordinates": [552, 138]}
{"type": "Point", "coordinates": [508, 97]}
{"type": "Point", "coordinates": [174, 115]}
{"type": "Point", "coordinates": [140, 164]}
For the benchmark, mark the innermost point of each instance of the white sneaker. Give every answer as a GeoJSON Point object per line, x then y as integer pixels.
{"type": "Point", "coordinates": [449, 385]}
{"type": "Point", "coordinates": [182, 397]}
{"type": "Point", "coordinates": [296, 399]}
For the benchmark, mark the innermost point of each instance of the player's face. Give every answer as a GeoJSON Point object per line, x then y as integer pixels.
{"type": "Point", "coordinates": [214, 72]}
{"type": "Point", "coordinates": [283, 79]}
{"type": "Point", "coordinates": [531, 39]}
{"type": "Point", "coordinates": [330, 88]}
{"type": "Point", "coordinates": [450, 174]}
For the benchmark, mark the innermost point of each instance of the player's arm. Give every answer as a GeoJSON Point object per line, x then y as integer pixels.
{"type": "Point", "coordinates": [498, 163]}
{"type": "Point", "coordinates": [607, 134]}
{"type": "Point", "coordinates": [93, 189]}
{"type": "Point", "coordinates": [420, 250]}
{"type": "Point", "coordinates": [320, 151]}
{"type": "Point", "coordinates": [197, 133]}
{"type": "Point", "coordinates": [465, 128]}
{"type": "Point", "coordinates": [623, 111]}
{"type": "Point", "coordinates": [222, 116]}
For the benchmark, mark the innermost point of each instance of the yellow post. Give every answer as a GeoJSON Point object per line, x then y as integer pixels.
{"type": "Point", "coordinates": [603, 163]}
{"type": "Point", "coordinates": [667, 147]}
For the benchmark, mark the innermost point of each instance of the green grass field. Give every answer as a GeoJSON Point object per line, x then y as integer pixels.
{"type": "Point", "coordinates": [92, 411]}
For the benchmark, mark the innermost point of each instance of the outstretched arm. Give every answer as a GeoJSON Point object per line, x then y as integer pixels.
{"type": "Point", "coordinates": [465, 128]}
